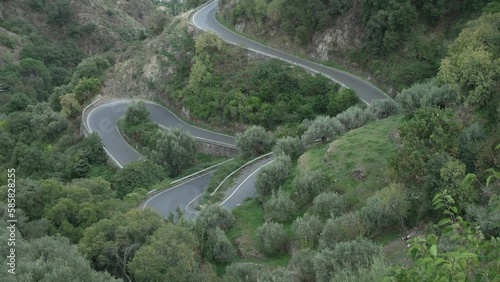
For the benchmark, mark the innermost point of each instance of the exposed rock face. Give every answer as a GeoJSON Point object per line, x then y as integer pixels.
{"type": "Point", "coordinates": [342, 34]}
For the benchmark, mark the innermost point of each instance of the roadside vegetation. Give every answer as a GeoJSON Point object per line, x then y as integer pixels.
{"type": "Point", "coordinates": [348, 181]}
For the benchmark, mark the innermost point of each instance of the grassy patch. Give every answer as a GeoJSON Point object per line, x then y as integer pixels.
{"type": "Point", "coordinates": [366, 150]}
{"type": "Point", "coordinates": [249, 216]}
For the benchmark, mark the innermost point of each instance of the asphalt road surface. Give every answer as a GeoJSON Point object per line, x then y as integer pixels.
{"type": "Point", "coordinates": [102, 119]}
{"type": "Point", "coordinates": [205, 19]}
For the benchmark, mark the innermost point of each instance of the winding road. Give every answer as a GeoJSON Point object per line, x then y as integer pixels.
{"type": "Point", "coordinates": [103, 119]}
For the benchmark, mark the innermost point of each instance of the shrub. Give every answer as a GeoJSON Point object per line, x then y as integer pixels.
{"type": "Point", "coordinates": [254, 142]}
{"type": "Point", "coordinates": [280, 207]}
{"type": "Point", "coordinates": [322, 128]}
{"type": "Point", "coordinates": [175, 150]}
{"type": "Point", "coordinates": [137, 174]}
{"type": "Point", "coordinates": [307, 230]}
{"type": "Point", "coordinates": [388, 207]}
{"type": "Point", "coordinates": [136, 114]}
{"type": "Point", "coordinates": [426, 94]}
{"type": "Point", "coordinates": [243, 271]}
{"type": "Point", "coordinates": [272, 176]}
{"type": "Point", "coordinates": [341, 101]}
{"type": "Point", "coordinates": [291, 146]}
{"type": "Point", "coordinates": [344, 228]}
{"type": "Point", "coordinates": [349, 256]}
{"type": "Point", "coordinates": [384, 108]}
{"type": "Point", "coordinates": [355, 117]}
{"type": "Point", "coordinates": [279, 274]}
{"type": "Point", "coordinates": [273, 237]}
{"type": "Point", "coordinates": [467, 144]}
{"type": "Point", "coordinates": [308, 184]}
{"type": "Point", "coordinates": [375, 272]}
{"type": "Point", "coordinates": [487, 217]}
{"type": "Point", "coordinates": [212, 217]}
{"type": "Point", "coordinates": [302, 264]}
{"type": "Point", "coordinates": [220, 248]}
{"type": "Point", "coordinates": [329, 204]}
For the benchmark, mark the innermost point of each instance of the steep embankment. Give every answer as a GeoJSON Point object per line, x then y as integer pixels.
{"type": "Point", "coordinates": [393, 43]}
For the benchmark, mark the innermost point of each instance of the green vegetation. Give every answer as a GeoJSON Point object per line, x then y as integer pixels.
{"type": "Point", "coordinates": [362, 152]}
{"type": "Point", "coordinates": [317, 212]}
{"type": "Point", "coordinates": [267, 93]}
{"type": "Point", "coordinates": [173, 149]}
{"type": "Point", "coordinates": [397, 42]}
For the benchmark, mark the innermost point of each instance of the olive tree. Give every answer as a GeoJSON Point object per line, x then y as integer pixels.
{"type": "Point", "coordinates": [355, 117]}
{"type": "Point", "coordinates": [323, 128]}
{"type": "Point", "coordinates": [308, 184]}
{"type": "Point", "coordinates": [254, 141]}
{"type": "Point", "coordinates": [344, 228]}
{"type": "Point", "coordinates": [329, 204]}
{"type": "Point", "coordinates": [302, 265]}
{"type": "Point", "coordinates": [273, 237]}
{"type": "Point", "coordinates": [272, 176]}
{"type": "Point", "coordinates": [279, 206]}
{"type": "Point", "coordinates": [383, 108]}
{"type": "Point", "coordinates": [220, 248]}
{"type": "Point", "coordinates": [307, 230]}
{"type": "Point", "coordinates": [291, 146]}
{"type": "Point", "coordinates": [175, 150]}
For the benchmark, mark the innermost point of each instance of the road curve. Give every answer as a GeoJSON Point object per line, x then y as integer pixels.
{"type": "Point", "coordinates": [103, 119]}
{"type": "Point", "coordinates": [205, 19]}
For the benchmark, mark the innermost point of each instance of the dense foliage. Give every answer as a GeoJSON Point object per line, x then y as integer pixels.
{"type": "Point", "coordinates": [266, 93]}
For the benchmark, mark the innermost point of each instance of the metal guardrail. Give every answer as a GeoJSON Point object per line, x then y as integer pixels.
{"type": "Point", "coordinates": [207, 140]}
{"type": "Point", "coordinates": [87, 129]}
{"type": "Point", "coordinates": [240, 168]}
{"type": "Point", "coordinates": [193, 175]}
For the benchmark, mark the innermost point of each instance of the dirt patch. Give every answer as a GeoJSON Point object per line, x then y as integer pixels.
{"type": "Point", "coordinates": [359, 174]}
{"type": "Point", "coordinates": [303, 160]}
{"type": "Point", "coordinates": [333, 146]}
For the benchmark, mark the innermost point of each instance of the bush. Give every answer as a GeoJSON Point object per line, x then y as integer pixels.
{"type": "Point", "coordinates": [279, 274]}
{"type": "Point", "coordinates": [302, 264]}
{"type": "Point", "coordinates": [273, 237]}
{"type": "Point", "coordinates": [375, 272]}
{"type": "Point", "coordinates": [341, 101]}
{"type": "Point", "coordinates": [308, 184]}
{"type": "Point", "coordinates": [243, 271]}
{"type": "Point", "coordinates": [175, 150]}
{"type": "Point", "coordinates": [212, 217]}
{"type": "Point", "coordinates": [307, 230]}
{"type": "Point", "coordinates": [349, 256]}
{"type": "Point", "coordinates": [272, 176]}
{"type": "Point", "coordinates": [355, 117]}
{"type": "Point", "coordinates": [344, 228]}
{"type": "Point", "coordinates": [388, 207]}
{"type": "Point", "coordinates": [384, 108]}
{"type": "Point", "coordinates": [329, 204]}
{"type": "Point", "coordinates": [291, 146]}
{"type": "Point", "coordinates": [280, 207]}
{"type": "Point", "coordinates": [467, 144]}
{"type": "Point", "coordinates": [137, 174]}
{"type": "Point", "coordinates": [426, 94]}
{"type": "Point", "coordinates": [220, 248]}
{"type": "Point", "coordinates": [487, 217]}
{"type": "Point", "coordinates": [322, 128]}
{"type": "Point", "coordinates": [254, 142]}
{"type": "Point", "coordinates": [136, 114]}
